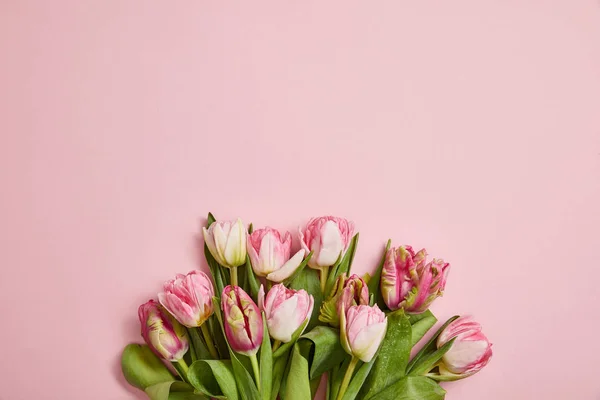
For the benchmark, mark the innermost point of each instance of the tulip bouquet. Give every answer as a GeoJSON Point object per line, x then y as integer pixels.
{"type": "Point", "coordinates": [270, 324]}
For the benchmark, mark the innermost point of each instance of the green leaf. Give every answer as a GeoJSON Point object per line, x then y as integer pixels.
{"type": "Point", "coordinates": [197, 345]}
{"type": "Point", "coordinates": [358, 380]}
{"type": "Point", "coordinates": [427, 362]}
{"type": "Point", "coordinates": [412, 388]}
{"type": "Point", "coordinates": [337, 376]}
{"type": "Point", "coordinates": [217, 334]}
{"type": "Point", "coordinates": [326, 350]}
{"type": "Point", "coordinates": [344, 266]}
{"type": "Point", "coordinates": [298, 271]}
{"type": "Point", "coordinates": [394, 353]}
{"type": "Point", "coordinates": [161, 391]}
{"type": "Point", "coordinates": [297, 383]}
{"type": "Point", "coordinates": [286, 346]}
{"type": "Point", "coordinates": [252, 281]}
{"type": "Point", "coordinates": [142, 368]}
{"type": "Point", "coordinates": [421, 324]}
{"type": "Point", "coordinates": [308, 279]}
{"type": "Point", "coordinates": [429, 347]}
{"type": "Point", "coordinates": [279, 365]}
{"type": "Point", "coordinates": [214, 378]}
{"type": "Point", "coordinates": [375, 280]}
{"type": "Point", "coordinates": [266, 363]}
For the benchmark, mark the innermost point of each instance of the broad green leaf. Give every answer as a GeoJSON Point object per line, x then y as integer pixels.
{"type": "Point", "coordinates": [337, 376]}
{"type": "Point", "coordinates": [297, 383]}
{"type": "Point", "coordinates": [197, 345]}
{"type": "Point", "coordinates": [308, 279]}
{"type": "Point", "coordinates": [427, 362]}
{"type": "Point", "coordinates": [279, 365]}
{"type": "Point", "coordinates": [214, 378]}
{"type": "Point", "coordinates": [412, 388]}
{"type": "Point", "coordinates": [161, 391]}
{"type": "Point", "coordinates": [344, 266]}
{"type": "Point", "coordinates": [217, 334]}
{"type": "Point", "coordinates": [390, 365]}
{"type": "Point", "coordinates": [375, 280]}
{"type": "Point", "coordinates": [326, 349]}
{"type": "Point", "coordinates": [266, 363]}
{"type": "Point", "coordinates": [142, 368]}
{"type": "Point", "coordinates": [429, 347]}
{"type": "Point", "coordinates": [421, 324]}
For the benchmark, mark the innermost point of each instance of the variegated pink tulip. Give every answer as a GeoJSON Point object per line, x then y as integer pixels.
{"type": "Point", "coordinates": [469, 353]}
{"type": "Point", "coordinates": [362, 331]}
{"type": "Point", "coordinates": [226, 242]}
{"type": "Point", "coordinates": [286, 310]}
{"type": "Point", "coordinates": [270, 254]}
{"type": "Point", "coordinates": [408, 282]}
{"type": "Point", "coordinates": [346, 292]}
{"type": "Point", "coordinates": [189, 298]}
{"type": "Point", "coordinates": [242, 320]}
{"type": "Point", "coordinates": [163, 334]}
{"type": "Point", "coordinates": [327, 237]}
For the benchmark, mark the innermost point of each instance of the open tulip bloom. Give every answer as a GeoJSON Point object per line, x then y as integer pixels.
{"type": "Point", "coordinates": [288, 316]}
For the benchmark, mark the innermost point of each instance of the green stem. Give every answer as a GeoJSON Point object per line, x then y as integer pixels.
{"type": "Point", "coordinates": [234, 281]}
{"type": "Point", "coordinates": [254, 362]}
{"type": "Point", "coordinates": [276, 345]}
{"type": "Point", "coordinates": [209, 342]}
{"type": "Point", "coordinates": [269, 285]}
{"type": "Point", "coordinates": [182, 369]}
{"type": "Point", "coordinates": [323, 274]}
{"type": "Point", "coordinates": [347, 377]}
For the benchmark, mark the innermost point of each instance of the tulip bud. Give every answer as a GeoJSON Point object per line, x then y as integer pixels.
{"type": "Point", "coordinates": [189, 298]}
{"type": "Point", "coordinates": [286, 310]}
{"type": "Point", "coordinates": [270, 254]}
{"type": "Point", "coordinates": [226, 241]}
{"type": "Point", "coordinates": [469, 353]}
{"type": "Point", "coordinates": [327, 237]}
{"type": "Point", "coordinates": [345, 294]}
{"type": "Point", "coordinates": [362, 331]}
{"type": "Point", "coordinates": [408, 282]}
{"type": "Point", "coordinates": [242, 321]}
{"type": "Point", "coordinates": [164, 335]}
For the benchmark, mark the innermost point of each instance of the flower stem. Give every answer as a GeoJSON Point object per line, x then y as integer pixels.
{"type": "Point", "coordinates": [276, 344]}
{"type": "Point", "coordinates": [234, 281]}
{"type": "Point", "coordinates": [347, 377]}
{"type": "Point", "coordinates": [209, 342]}
{"type": "Point", "coordinates": [254, 362]}
{"type": "Point", "coordinates": [182, 369]}
{"type": "Point", "coordinates": [323, 274]}
{"type": "Point", "coordinates": [269, 285]}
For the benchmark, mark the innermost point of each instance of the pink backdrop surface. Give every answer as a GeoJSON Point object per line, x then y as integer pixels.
{"type": "Point", "coordinates": [471, 128]}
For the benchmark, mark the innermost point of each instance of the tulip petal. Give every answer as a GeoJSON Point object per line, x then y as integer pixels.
{"type": "Point", "coordinates": [235, 247]}
{"type": "Point", "coordinates": [331, 244]}
{"type": "Point", "coordinates": [288, 268]}
{"type": "Point", "coordinates": [367, 341]}
{"type": "Point", "coordinates": [280, 326]}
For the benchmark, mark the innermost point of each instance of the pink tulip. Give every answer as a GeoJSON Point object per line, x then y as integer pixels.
{"type": "Point", "coordinates": [242, 321]}
{"type": "Point", "coordinates": [470, 351]}
{"type": "Point", "coordinates": [327, 237]}
{"type": "Point", "coordinates": [163, 334]}
{"type": "Point", "coordinates": [355, 293]}
{"type": "Point", "coordinates": [362, 331]}
{"type": "Point", "coordinates": [408, 282]}
{"type": "Point", "coordinates": [189, 298]}
{"type": "Point", "coordinates": [286, 310]}
{"type": "Point", "coordinates": [226, 242]}
{"type": "Point", "coordinates": [270, 254]}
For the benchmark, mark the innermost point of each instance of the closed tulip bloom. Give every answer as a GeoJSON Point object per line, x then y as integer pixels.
{"type": "Point", "coordinates": [362, 331]}
{"type": "Point", "coordinates": [242, 321]}
{"type": "Point", "coordinates": [286, 310]}
{"type": "Point", "coordinates": [470, 351]}
{"type": "Point", "coordinates": [164, 335]}
{"type": "Point", "coordinates": [189, 298]}
{"type": "Point", "coordinates": [327, 237]}
{"type": "Point", "coordinates": [270, 254]}
{"type": "Point", "coordinates": [226, 242]}
{"type": "Point", "coordinates": [408, 282]}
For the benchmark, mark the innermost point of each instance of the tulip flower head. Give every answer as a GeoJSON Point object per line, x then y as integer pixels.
{"type": "Point", "coordinates": [286, 310]}
{"type": "Point", "coordinates": [345, 294]}
{"type": "Point", "coordinates": [408, 282]}
{"type": "Point", "coordinates": [470, 351]}
{"type": "Point", "coordinates": [226, 242]}
{"type": "Point", "coordinates": [242, 321]}
{"type": "Point", "coordinates": [362, 331]}
{"type": "Point", "coordinates": [164, 335]}
{"type": "Point", "coordinates": [269, 254]}
{"type": "Point", "coordinates": [189, 298]}
{"type": "Point", "coordinates": [328, 238]}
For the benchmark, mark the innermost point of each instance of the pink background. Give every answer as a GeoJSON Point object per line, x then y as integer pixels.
{"type": "Point", "coordinates": [471, 128]}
